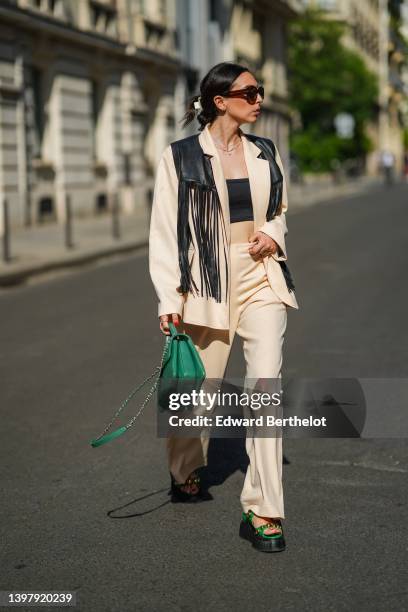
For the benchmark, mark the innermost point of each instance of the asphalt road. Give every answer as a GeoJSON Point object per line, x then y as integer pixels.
{"type": "Point", "coordinates": [98, 521]}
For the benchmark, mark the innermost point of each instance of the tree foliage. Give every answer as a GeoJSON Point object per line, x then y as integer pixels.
{"type": "Point", "coordinates": [326, 78]}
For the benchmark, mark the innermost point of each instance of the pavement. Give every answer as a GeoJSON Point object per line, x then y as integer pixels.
{"type": "Point", "coordinates": [39, 249]}
{"type": "Point", "coordinates": [99, 522]}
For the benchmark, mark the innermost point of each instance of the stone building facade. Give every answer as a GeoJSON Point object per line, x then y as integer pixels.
{"type": "Point", "coordinates": [91, 92]}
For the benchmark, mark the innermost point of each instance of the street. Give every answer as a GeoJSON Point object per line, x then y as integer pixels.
{"type": "Point", "coordinates": [98, 521]}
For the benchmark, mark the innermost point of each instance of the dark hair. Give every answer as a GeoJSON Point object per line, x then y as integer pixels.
{"type": "Point", "coordinates": [215, 83]}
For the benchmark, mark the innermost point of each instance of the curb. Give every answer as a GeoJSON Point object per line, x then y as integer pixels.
{"type": "Point", "coordinates": [9, 278]}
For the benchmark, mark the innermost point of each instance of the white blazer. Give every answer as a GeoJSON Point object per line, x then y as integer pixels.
{"type": "Point", "coordinates": [163, 247]}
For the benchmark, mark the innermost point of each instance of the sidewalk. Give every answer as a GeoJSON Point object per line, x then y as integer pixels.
{"type": "Point", "coordinates": [302, 196]}
{"type": "Point", "coordinates": [40, 249]}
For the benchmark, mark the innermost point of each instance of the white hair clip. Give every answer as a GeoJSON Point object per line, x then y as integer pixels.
{"type": "Point", "coordinates": [197, 104]}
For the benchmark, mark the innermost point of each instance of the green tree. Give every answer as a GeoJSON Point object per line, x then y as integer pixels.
{"type": "Point", "coordinates": [325, 78]}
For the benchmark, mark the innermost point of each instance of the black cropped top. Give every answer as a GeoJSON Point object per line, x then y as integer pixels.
{"type": "Point", "coordinates": [240, 202]}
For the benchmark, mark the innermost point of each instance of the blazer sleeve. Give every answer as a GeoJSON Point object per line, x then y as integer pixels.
{"type": "Point", "coordinates": [163, 248]}
{"type": "Point", "coordinates": [277, 228]}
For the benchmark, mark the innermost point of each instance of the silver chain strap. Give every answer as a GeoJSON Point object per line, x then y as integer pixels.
{"type": "Point", "coordinates": [156, 373]}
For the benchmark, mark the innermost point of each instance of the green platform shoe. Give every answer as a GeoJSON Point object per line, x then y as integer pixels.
{"type": "Point", "coordinates": [274, 542]}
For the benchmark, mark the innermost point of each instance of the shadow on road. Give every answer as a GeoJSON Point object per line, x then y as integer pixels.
{"type": "Point", "coordinates": [111, 513]}
{"type": "Point", "coordinates": [225, 456]}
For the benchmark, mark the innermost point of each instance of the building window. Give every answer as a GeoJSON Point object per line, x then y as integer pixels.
{"type": "Point", "coordinates": [46, 210]}
{"type": "Point", "coordinates": [103, 18]}
{"type": "Point", "coordinates": [212, 11]}
{"type": "Point", "coordinates": [54, 7]}
{"type": "Point", "coordinates": [101, 203]}
{"type": "Point", "coordinates": [95, 112]}
{"type": "Point", "coordinates": [37, 83]}
{"type": "Point", "coordinates": [127, 169]}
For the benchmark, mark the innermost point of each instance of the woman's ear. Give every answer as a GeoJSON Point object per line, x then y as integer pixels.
{"type": "Point", "coordinates": [220, 103]}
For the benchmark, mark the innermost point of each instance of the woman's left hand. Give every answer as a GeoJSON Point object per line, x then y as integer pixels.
{"type": "Point", "coordinates": [264, 245]}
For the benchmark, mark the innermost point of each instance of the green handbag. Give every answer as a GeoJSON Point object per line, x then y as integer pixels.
{"type": "Point", "coordinates": [181, 370]}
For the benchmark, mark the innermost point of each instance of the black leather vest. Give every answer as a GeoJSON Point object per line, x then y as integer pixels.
{"type": "Point", "coordinates": [197, 192]}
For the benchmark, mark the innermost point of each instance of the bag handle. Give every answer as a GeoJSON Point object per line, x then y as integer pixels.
{"type": "Point", "coordinates": [107, 437]}
{"type": "Point", "coordinates": [173, 329]}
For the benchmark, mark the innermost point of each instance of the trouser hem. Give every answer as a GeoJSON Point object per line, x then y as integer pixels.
{"type": "Point", "coordinates": [269, 511]}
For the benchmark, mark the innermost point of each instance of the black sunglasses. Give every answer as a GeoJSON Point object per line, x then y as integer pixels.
{"type": "Point", "coordinates": [250, 93]}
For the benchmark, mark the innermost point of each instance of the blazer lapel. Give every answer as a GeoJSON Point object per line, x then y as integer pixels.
{"type": "Point", "coordinates": [258, 173]}
{"type": "Point", "coordinates": [259, 180]}
{"type": "Point", "coordinates": [209, 148]}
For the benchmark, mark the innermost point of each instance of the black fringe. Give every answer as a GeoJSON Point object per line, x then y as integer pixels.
{"type": "Point", "coordinates": [184, 239]}
{"type": "Point", "coordinates": [287, 275]}
{"type": "Point", "coordinates": [275, 199]}
{"type": "Point", "coordinates": [207, 219]}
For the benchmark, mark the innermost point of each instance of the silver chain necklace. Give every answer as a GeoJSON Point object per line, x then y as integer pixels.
{"type": "Point", "coordinates": [227, 151]}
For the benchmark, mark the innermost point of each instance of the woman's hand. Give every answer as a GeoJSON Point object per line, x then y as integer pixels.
{"type": "Point", "coordinates": [164, 322]}
{"type": "Point", "coordinates": [264, 245]}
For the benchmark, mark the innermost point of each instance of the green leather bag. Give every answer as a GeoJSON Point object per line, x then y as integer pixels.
{"type": "Point", "coordinates": [180, 371]}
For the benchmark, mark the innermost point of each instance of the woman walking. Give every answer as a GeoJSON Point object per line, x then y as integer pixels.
{"type": "Point", "coordinates": [217, 259]}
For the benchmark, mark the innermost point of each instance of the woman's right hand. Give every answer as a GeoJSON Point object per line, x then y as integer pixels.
{"type": "Point", "coordinates": [164, 322]}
